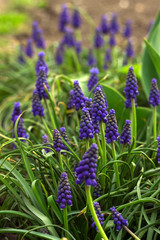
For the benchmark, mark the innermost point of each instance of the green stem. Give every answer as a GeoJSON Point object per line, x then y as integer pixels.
{"type": "Point", "coordinates": [60, 161]}
{"type": "Point", "coordinates": [100, 150]}
{"type": "Point", "coordinates": [77, 119]}
{"type": "Point", "coordinates": [87, 144]}
{"type": "Point", "coordinates": [50, 115]}
{"type": "Point", "coordinates": [93, 213]}
{"type": "Point", "coordinates": [46, 127]}
{"type": "Point", "coordinates": [154, 123]}
{"type": "Point", "coordinates": [65, 221]}
{"type": "Point", "coordinates": [131, 233]}
{"type": "Point", "coordinates": [133, 123]}
{"type": "Point", "coordinates": [115, 165]}
{"type": "Point", "coordinates": [76, 60]}
{"type": "Point", "coordinates": [104, 157]}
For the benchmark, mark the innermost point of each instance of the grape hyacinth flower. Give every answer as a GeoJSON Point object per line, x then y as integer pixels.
{"type": "Point", "coordinates": [71, 100]}
{"type": "Point", "coordinates": [129, 51]}
{"type": "Point", "coordinates": [64, 192]}
{"type": "Point", "coordinates": [98, 111]}
{"type": "Point", "coordinates": [93, 80]}
{"type": "Point", "coordinates": [64, 18]}
{"type": "Point", "coordinates": [59, 58]}
{"type": "Point", "coordinates": [112, 41]}
{"type": "Point", "coordinates": [16, 111]}
{"type": "Point", "coordinates": [65, 137]}
{"type": "Point", "coordinates": [88, 104]}
{"type": "Point", "coordinates": [42, 79]}
{"type": "Point", "coordinates": [57, 141]}
{"type": "Point", "coordinates": [114, 27]}
{"type": "Point", "coordinates": [35, 31]}
{"type": "Point", "coordinates": [45, 141]}
{"type": "Point", "coordinates": [40, 42]}
{"type": "Point", "coordinates": [119, 221]}
{"type": "Point", "coordinates": [131, 89]}
{"type": "Point", "coordinates": [78, 97]}
{"type": "Point", "coordinates": [98, 39]}
{"type": "Point", "coordinates": [21, 58]}
{"type": "Point", "coordinates": [154, 96]}
{"type": "Point", "coordinates": [86, 128]}
{"type": "Point", "coordinates": [29, 49]}
{"type": "Point", "coordinates": [125, 137]}
{"type": "Point", "coordinates": [97, 190]}
{"type": "Point", "coordinates": [91, 59]}
{"type": "Point", "coordinates": [86, 170]}
{"type": "Point", "coordinates": [69, 38]}
{"type": "Point", "coordinates": [37, 108]}
{"type": "Point", "coordinates": [78, 47]}
{"type": "Point", "coordinates": [99, 215]}
{"type": "Point", "coordinates": [127, 29]}
{"type": "Point", "coordinates": [44, 231]}
{"type": "Point", "coordinates": [76, 19]}
{"type": "Point", "coordinates": [104, 26]}
{"type": "Point", "coordinates": [111, 131]}
{"type": "Point", "coordinates": [41, 62]}
{"type": "Point", "coordinates": [107, 58]}
{"type": "Point", "coordinates": [21, 132]}
{"type": "Point", "coordinates": [158, 150]}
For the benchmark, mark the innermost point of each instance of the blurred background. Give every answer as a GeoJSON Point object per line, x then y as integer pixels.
{"type": "Point", "coordinates": [16, 17]}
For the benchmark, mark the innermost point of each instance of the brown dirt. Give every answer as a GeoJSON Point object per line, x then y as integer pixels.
{"type": "Point", "coordinates": [140, 12]}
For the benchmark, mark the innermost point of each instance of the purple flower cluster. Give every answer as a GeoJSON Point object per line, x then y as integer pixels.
{"type": "Point", "coordinates": [93, 80]}
{"type": "Point", "coordinates": [111, 131]}
{"type": "Point", "coordinates": [59, 55]}
{"type": "Point", "coordinates": [41, 63]}
{"type": "Point", "coordinates": [98, 39]}
{"type": "Point", "coordinates": [40, 43]}
{"type": "Point", "coordinates": [16, 111]}
{"type": "Point", "coordinates": [97, 190]}
{"type": "Point", "coordinates": [129, 51]}
{"type": "Point", "coordinates": [69, 39]}
{"type": "Point", "coordinates": [37, 108]}
{"type": "Point", "coordinates": [76, 19]}
{"type": "Point", "coordinates": [125, 137]}
{"type": "Point", "coordinates": [114, 27]}
{"type": "Point", "coordinates": [42, 79]}
{"type": "Point", "coordinates": [78, 97]}
{"type": "Point", "coordinates": [71, 99]}
{"type": "Point", "coordinates": [45, 141]}
{"type": "Point", "coordinates": [64, 18]}
{"type": "Point", "coordinates": [107, 58]}
{"type": "Point", "coordinates": [29, 49]}
{"type": "Point", "coordinates": [57, 141]}
{"type": "Point", "coordinates": [119, 221]}
{"type": "Point", "coordinates": [35, 31]}
{"type": "Point", "coordinates": [127, 29]}
{"type": "Point", "coordinates": [91, 59]}
{"type": "Point", "coordinates": [21, 132]}
{"type": "Point", "coordinates": [154, 96]}
{"type": "Point", "coordinates": [88, 104]}
{"type": "Point", "coordinates": [158, 150]}
{"type": "Point", "coordinates": [86, 128]}
{"type": "Point", "coordinates": [98, 111]}
{"type": "Point", "coordinates": [78, 47]}
{"type": "Point", "coordinates": [65, 137]}
{"type": "Point", "coordinates": [99, 215]}
{"type": "Point", "coordinates": [131, 89]}
{"type": "Point", "coordinates": [64, 192]}
{"type": "Point", "coordinates": [86, 170]}
{"type": "Point", "coordinates": [104, 26]}
{"type": "Point", "coordinates": [112, 41]}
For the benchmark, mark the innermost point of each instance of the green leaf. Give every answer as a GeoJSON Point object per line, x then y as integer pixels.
{"type": "Point", "coordinates": [41, 216]}
{"type": "Point", "coordinates": [148, 68]}
{"type": "Point", "coordinates": [55, 209]}
{"type": "Point", "coordinates": [34, 233]}
{"type": "Point", "coordinates": [154, 56]}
